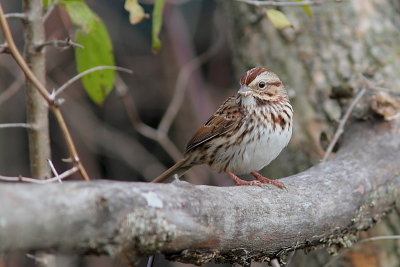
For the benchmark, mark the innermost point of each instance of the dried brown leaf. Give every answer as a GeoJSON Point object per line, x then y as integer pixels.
{"type": "Point", "coordinates": [385, 105]}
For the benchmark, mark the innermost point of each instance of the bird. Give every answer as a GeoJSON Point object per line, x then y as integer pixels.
{"type": "Point", "coordinates": [247, 132]}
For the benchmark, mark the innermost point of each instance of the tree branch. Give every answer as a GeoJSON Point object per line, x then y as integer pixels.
{"type": "Point", "coordinates": [274, 3]}
{"type": "Point", "coordinates": [15, 16]}
{"type": "Point", "coordinates": [15, 125]}
{"type": "Point", "coordinates": [43, 92]}
{"type": "Point", "coordinates": [40, 181]}
{"type": "Point", "coordinates": [286, 3]}
{"type": "Point", "coordinates": [62, 44]}
{"type": "Point", "coordinates": [86, 72]}
{"type": "Point", "coordinates": [342, 123]}
{"type": "Point", "coordinates": [327, 204]}
{"type": "Point", "coordinates": [12, 89]}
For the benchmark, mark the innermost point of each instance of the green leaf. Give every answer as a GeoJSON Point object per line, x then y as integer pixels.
{"type": "Point", "coordinates": [157, 23]}
{"type": "Point", "coordinates": [278, 19]}
{"type": "Point", "coordinates": [93, 36]}
{"type": "Point", "coordinates": [307, 9]}
{"type": "Point", "coordinates": [47, 3]}
{"type": "Point", "coordinates": [136, 11]}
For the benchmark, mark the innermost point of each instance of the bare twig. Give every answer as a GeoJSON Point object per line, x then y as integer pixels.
{"type": "Point", "coordinates": [16, 125]}
{"type": "Point", "coordinates": [141, 127]}
{"type": "Point", "coordinates": [370, 85]}
{"type": "Point", "coordinates": [42, 90]}
{"type": "Point", "coordinates": [111, 143]}
{"type": "Point", "coordinates": [273, 3]}
{"type": "Point", "coordinates": [40, 181]}
{"type": "Point", "coordinates": [376, 238]}
{"type": "Point", "coordinates": [287, 3]}
{"type": "Point", "coordinates": [342, 122]}
{"type": "Point", "coordinates": [160, 134]}
{"type": "Point", "coordinates": [53, 169]}
{"type": "Point", "coordinates": [80, 75]}
{"type": "Point", "coordinates": [12, 89]}
{"type": "Point", "coordinates": [41, 261]}
{"type": "Point", "coordinates": [50, 9]}
{"type": "Point", "coordinates": [61, 44]}
{"type": "Point", "coordinates": [15, 16]}
{"type": "Point", "coordinates": [18, 57]}
{"type": "Point", "coordinates": [181, 84]}
{"type": "Point", "coordinates": [150, 261]}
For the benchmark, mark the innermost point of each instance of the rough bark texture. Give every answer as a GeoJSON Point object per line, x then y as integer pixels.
{"type": "Point", "coordinates": [36, 108]}
{"type": "Point", "coordinates": [327, 204]}
{"type": "Point", "coordinates": [318, 58]}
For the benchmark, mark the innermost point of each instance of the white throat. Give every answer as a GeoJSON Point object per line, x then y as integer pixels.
{"type": "Point", "coordinates": [248, 101]}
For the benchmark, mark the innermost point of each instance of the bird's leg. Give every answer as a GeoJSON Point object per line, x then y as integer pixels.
{"type": "Point", "coordinates": [263, 179]}
{"type": "Point", "coordinates": [243, 182]}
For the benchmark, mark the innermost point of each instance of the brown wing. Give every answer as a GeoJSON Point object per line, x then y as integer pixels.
{"type": "Point", "coordinates": [224, 119]}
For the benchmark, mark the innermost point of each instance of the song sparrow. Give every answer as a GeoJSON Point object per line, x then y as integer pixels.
{"type": "Point", "coordinates": [245, 134]}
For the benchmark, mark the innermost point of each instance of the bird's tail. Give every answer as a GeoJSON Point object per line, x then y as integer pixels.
{"type": "Point", "coordinates": [178, 168]}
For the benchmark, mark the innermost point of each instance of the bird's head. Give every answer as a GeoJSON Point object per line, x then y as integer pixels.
{"type": "Point", "coordinates": [261, 86]}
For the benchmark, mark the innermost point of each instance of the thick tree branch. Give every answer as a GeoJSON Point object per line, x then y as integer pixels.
{"type": "Point", "coordinates": [326, 204]}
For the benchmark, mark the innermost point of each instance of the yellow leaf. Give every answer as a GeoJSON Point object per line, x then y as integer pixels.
{"type": "Point", "coordinates": [278, 19]}
{"type": "Point", "coordinates": [136, 11]}
{"type": "Point", "coordinates": [306, 8]}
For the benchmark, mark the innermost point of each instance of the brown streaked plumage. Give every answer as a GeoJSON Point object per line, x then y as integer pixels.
{"type": "Point", "coordinates": [245, 134]}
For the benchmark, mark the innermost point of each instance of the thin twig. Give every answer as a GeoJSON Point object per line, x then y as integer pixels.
{"type": "Point", "coordinates": [53, 169]}
{"type": "Point", "coordinates": [15, 16]}
{"type": "Point", "coordinates": [62, 44]}
{"type": "Point", "coordinates": [12, 89]}
{"type": "Point", "coordinates": [40, 181]}
{"type": "Point", "coordinates": [43, 91]}
{"type": "Point", "coordinates": [70, 143]}
{"type": "Point", "coordinates": [287, 3]}
{"type": "Point", "coordinates": [342, 122]}
{"type": "Point", "coordinates": [372, 86]}
{"type": "Point", "coordinates": [80, 75]}
{"type": "Point", "coordinates": [375, 238]}
{"type": "Point", "coordinates": [181, 84]}
{"type": "Point", "coordinates": [142, 128]}
{"type": "Point", "coordinates": [16, 125]}
{"type": "Point", "coordinates": [160, 134]}
{"type": "Point", "coordinates": [50, 9]}
{"type": "Point", "coordinates": [273, 3]}
{"type": "Point", "coordinates": [41, 261]}
{"type": "Point", "coordinates": [150, 261]}
{"type": "Point", "coordinates": [19, 59]}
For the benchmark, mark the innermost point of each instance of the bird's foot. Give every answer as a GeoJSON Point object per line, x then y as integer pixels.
{"type": "Point", "coordinates": [263, 179]}
{"type": "Point", "coordinates": [240, 182]}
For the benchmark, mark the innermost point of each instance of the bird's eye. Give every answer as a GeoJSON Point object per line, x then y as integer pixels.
{"type": "Point", "coordinates": [261, 84]}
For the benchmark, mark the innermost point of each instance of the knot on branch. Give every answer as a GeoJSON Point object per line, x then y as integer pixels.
{"type": "Point", "coordinates": [146, 231]}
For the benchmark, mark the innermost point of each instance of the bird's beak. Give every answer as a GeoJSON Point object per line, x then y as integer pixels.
{"type": "Point", "coordinates": [244, 90]}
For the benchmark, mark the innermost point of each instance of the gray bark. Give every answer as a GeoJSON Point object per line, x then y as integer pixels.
{"type": "Point", "coordinates": [36, 106]}
{"type": "Point", "coordinates": [318, 58]}
{"type": "Point", "coordinates": [325, 205]}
